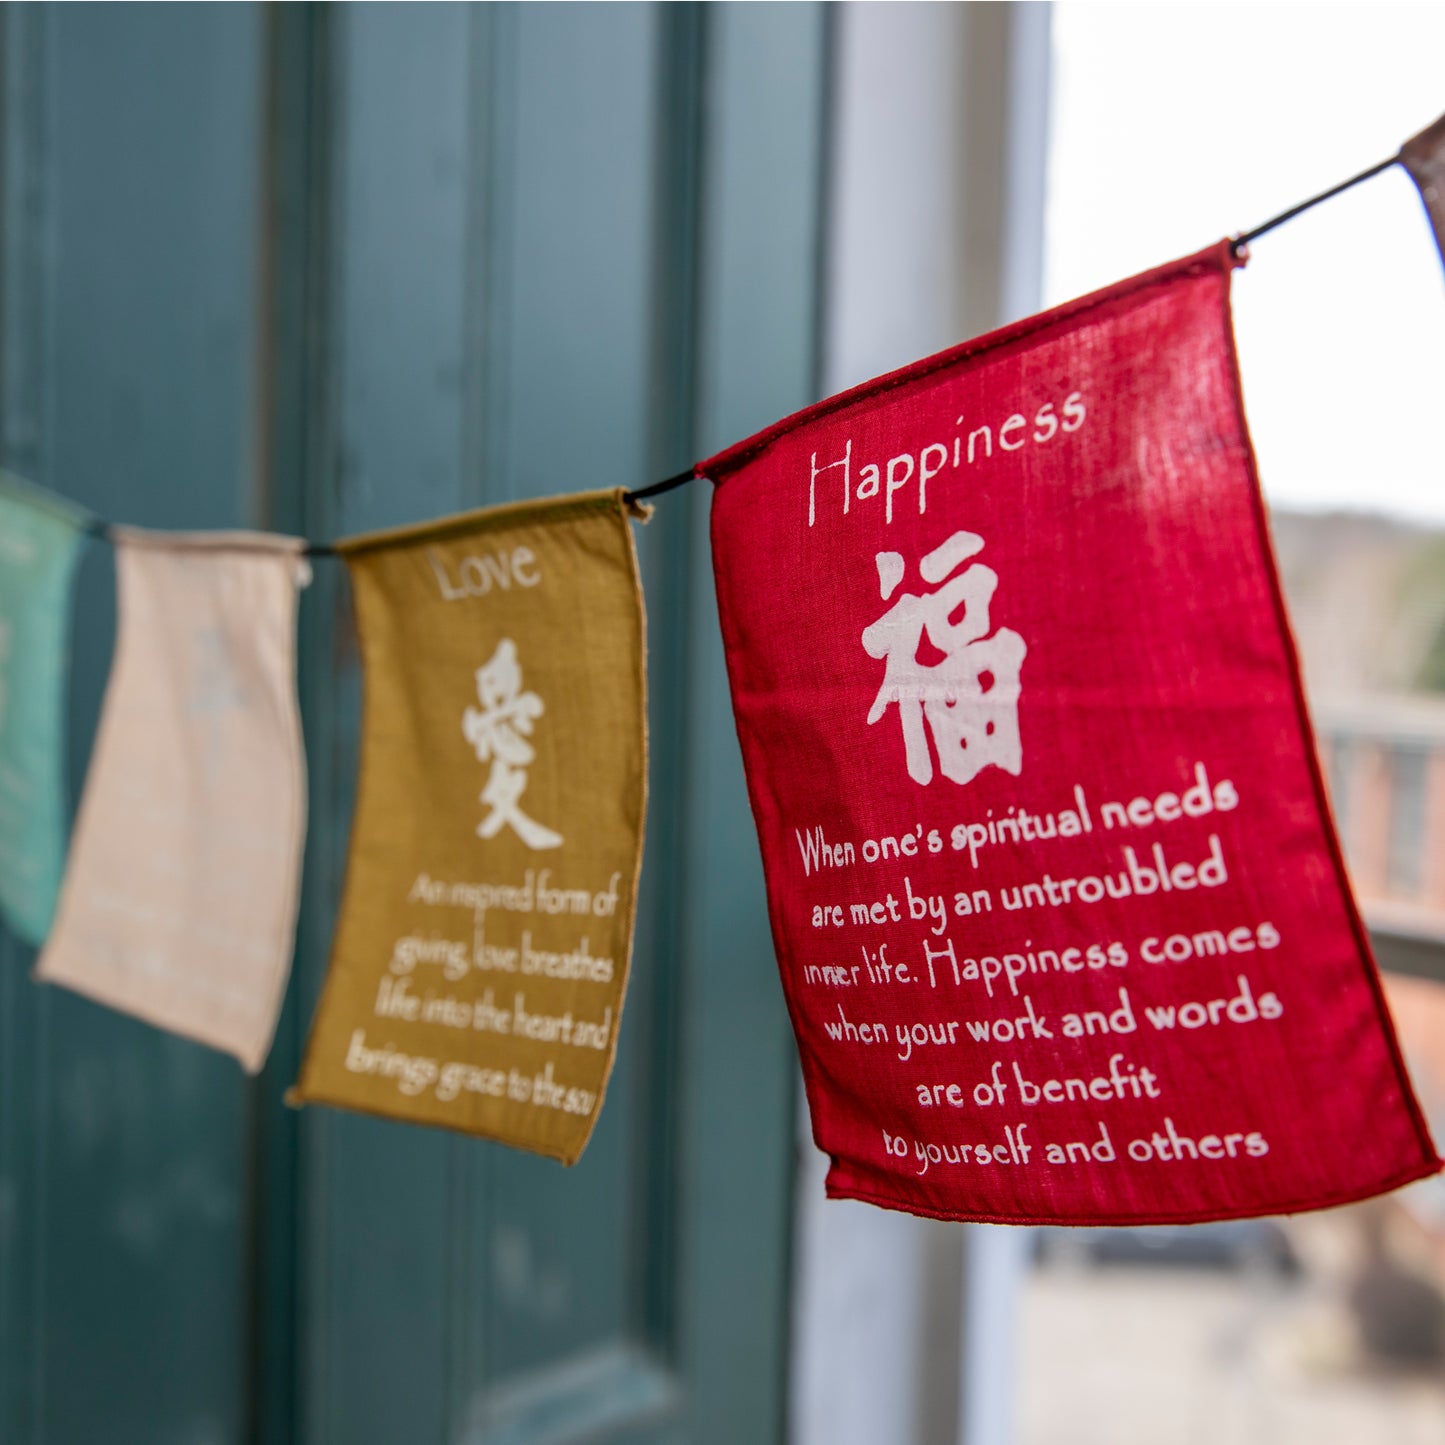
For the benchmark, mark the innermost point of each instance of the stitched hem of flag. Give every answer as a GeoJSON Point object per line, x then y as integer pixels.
{"type": "Point", "coordinates": [1308, 742]}
{"type": "Point", "coordinates": [180, 1026]}
{"type": "Point", "coordinates": [641, 512]}
{"type": "Point", "coordinates": [1216, 261]}
{"type": "Point", "coordinates": [1220, 256]}
{"type": "Point", "coordinates": [301, 1094]}
{"type": "Point", "coordinates": [838, 1187]}
{"type": "Point", "coordinates": [490, 519]}
{"type": "Point", "coordinates": [237, 540]}
{"type": "Point", "coordinates": [297, 1098]}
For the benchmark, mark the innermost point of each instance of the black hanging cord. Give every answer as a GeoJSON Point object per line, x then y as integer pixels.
{"type": "Point", "coordinates": [98, 528]}
{"type": "Point", "coordinates": [658, 488]}
{"type": "Point", "coordinates": [1236, 245]}
{"type": "Point", "coordinates": [1240, 242]}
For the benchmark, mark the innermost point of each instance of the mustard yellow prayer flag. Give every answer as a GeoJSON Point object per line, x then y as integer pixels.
{"type": "Point", "coordinates": [481, 954]}
{"type": "Point", "coordinates": [179, 899]}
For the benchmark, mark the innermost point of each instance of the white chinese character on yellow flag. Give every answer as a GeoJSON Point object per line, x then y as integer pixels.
{"type": "Point", "coordinates": [499, 731]}
{"type": "Point", "coordinates": [969, 698]}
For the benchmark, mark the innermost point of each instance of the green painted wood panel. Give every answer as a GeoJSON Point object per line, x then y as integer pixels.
{"type": "Point", "coordinates": [758, 283]}
{"type": "Point", "coordinates": [131, 192]}
{"type": "Point", "coordinates": [330, 268]}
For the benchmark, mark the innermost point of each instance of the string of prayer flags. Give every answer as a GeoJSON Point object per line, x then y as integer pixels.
{"type": "Point", "coordinates": [481, 955]}
{"type": "Point", "coordinates": [179, 901]}
{"type": "Point", "coordinates": [1424, 157]}
{"type": "Point", "coordinates": [1062, 925]}
{"type": "Point", "coordinates": [40, 541]}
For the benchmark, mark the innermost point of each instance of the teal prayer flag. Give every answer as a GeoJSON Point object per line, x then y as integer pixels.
{"type": "Point", "coordinates": [40, 537]}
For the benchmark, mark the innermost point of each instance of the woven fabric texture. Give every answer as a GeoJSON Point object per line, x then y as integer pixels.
{"type": "Point", "coordinates": [481, 955]}
{"type": "Point", "coordinates": [1061, 922]}
{"type": "Point", "coordinates": [179, 900]}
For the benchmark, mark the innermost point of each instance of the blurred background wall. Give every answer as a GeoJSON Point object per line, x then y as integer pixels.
{"type": "Point", "coordinates": [329, 268]}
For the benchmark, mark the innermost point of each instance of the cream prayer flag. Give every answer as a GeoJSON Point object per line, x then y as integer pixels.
{"type": "Point", "coordinates": [179, 902]}
{"type": "Point", "coordinates": [482, 951]}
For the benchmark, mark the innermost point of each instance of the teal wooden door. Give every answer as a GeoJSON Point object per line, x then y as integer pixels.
{"type": "Point", "coordinates": [332, 268]}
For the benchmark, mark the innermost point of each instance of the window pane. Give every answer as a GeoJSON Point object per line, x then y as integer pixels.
{"type": "Point", "coordinates": [1173, 125]}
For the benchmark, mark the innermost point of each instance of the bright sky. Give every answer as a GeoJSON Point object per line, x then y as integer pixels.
{"type": "Point", "coordinates": [1176, 124]}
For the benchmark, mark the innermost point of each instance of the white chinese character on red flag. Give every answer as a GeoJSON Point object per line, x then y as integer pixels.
{"type": "Point", "coordinates": [969, 696]}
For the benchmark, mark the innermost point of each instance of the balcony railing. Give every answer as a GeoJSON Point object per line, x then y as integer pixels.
{"type": "Point", "coordinates": [1384, 759]}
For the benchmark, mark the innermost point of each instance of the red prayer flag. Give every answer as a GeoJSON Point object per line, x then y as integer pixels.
{"type": "Point", "coordinates": [1062, 923]}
